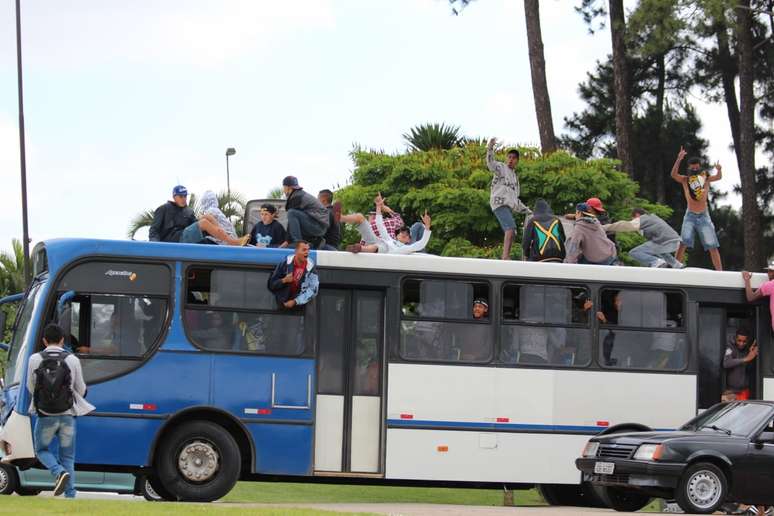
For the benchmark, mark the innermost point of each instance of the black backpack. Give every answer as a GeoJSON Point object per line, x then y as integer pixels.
{"type": "Point", "coordinates": [53, 394]}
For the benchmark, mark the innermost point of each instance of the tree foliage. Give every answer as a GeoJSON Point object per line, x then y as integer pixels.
{"type": "Point", "coordinates": [426, 137]}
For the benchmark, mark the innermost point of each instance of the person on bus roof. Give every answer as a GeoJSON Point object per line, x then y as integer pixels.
{"type": "Point", "coordinates": [543, 236]}
{"type": "Point", "coordinates": [767, 289]}
{"type": "Point", "coordinates": [333, 235]}
{"type": "Point", "coordinates": [662, 240]}
{"type": "Point", "coordinates": [735, 361]}
{"type": "Point", "coordinates": [172, 217]}
{"type": "Point", "coordinates": [307, 217]}
{"type": "Point", "coordinates": [401, 244]}
{"type": "Point", "coordinates": [268, 232]}
{"type": "Point", "coordinates": [294, 281]}
{"type": "Point", "coordinates": [213, 227]}
{"type": "Point", "coordinates": [588, 244]}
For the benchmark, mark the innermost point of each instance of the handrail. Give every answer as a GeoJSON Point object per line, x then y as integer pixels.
{"type": "Point", "coordinates": [12, 298]}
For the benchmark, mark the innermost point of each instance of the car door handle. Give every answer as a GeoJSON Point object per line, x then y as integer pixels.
{"type": "Point", "coordinates": [295, 407]}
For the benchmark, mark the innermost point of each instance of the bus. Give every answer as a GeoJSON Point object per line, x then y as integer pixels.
{"type": "Point", "coordinates": [200, 380]}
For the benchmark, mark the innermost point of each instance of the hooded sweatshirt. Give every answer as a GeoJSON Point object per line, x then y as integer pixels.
{"type": "Point", "coordinates": [589, 240]}
{"type": "Point", "coordinates": [209, 204]}
{"type": "Point", "coordinates": [543, 235]}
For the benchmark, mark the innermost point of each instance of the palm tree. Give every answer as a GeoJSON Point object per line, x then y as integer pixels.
{"type": "Point", "coordinates": [425, 137]}
{"type": "Point", "coordinates": [276, 193]}
{"type": "Point", "coordinates": [12, 270]}
{"type": "Point", "coordinates": [232, 206]}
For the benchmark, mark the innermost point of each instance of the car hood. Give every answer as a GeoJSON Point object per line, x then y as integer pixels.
{"type": "Point", "coordinates": [635, 438]}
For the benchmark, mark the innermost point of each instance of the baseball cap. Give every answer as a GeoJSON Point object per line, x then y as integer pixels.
{"type": "Point", "coordinates": [291, 181]}
{"type": "Point", "coordinates": [584, 208]}
{"type": "Point", "coordinates": [771, 264]}
{"type": "Point", "coordinates": [481, 301]}
{"type": "Point", "coordinates": [180, 190]}
{"type": "Point", "coordinates": [595, 203]}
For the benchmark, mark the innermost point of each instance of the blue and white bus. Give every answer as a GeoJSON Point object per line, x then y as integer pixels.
{"type": "Point", "coordinates": [200, 380]}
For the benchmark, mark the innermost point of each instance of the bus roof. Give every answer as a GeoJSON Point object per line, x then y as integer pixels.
{"type": "Point", "coordinates": [62, 251]}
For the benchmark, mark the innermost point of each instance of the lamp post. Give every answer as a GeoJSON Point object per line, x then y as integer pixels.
{"type": "Point", "coordinates": [22, 149]}
{"type": "Point", "coordinates": [229, 152]}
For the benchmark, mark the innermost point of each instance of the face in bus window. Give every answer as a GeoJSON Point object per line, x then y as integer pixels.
{"type": "Point", "coordinates": [741, 341]}
{"type": "Point", "coordinates": [480, 310]}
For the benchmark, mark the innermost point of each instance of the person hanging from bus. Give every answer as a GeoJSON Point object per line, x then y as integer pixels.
{"type": "Point", "coordinates": [172, 217]}
{"type": "Point", "coordinates": [401, 244]}
{"type": "Point", "coordinates": [213, 227]}
{"type": "Point", "coordinates": [662, 240]}
{"type": "Point", "coordinates": [696, 188]}
{"type": "Point", "coordinates": [268, 232]}
{"type": "Point", "coordinates": [767, 289]}
{"type": "Point", "coordinates": [544, 239]}
{"type": "Point", "coordinates": [737, 356]}
{"type": "Point", "coordinates": [307, 217]}
{"type": "Point", "coordinates": [589, 244]}
{"type": "Point", "coordinates": [294, 281]}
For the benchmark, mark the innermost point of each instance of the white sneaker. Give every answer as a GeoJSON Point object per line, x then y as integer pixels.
{"type": "Point", "coordinates": [659, 263]}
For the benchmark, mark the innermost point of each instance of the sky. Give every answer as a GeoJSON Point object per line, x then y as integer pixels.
{"type": "Point", "coordinates": [123, 100]}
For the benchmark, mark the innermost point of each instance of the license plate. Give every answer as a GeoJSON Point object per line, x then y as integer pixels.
{"type": "Point", "coordinates": [604, 468]}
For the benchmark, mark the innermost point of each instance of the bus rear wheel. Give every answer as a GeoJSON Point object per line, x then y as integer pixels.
{"type": "Point", "coordinates": [198, 461]}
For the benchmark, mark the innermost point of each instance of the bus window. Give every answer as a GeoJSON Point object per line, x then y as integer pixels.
{"type": "Point", "coordinates": [546, 325]}
{"type": "Point", "coordinates": [438, 323]}
{"type": "Point", "coordinates": [21, 339]}
{"type": "Point", "coordinates": [642, 329]}
{"type": "Point", "coordinates": [233, 310]}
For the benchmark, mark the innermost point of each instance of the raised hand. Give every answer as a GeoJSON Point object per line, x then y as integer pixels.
{"type": "Point", "coordinates": [379, 201]}
{"type": "Point", "coordinates": [492, 142]}
{"type": "Point", "coordinates": [746, 276]}
{"type": "Point", "coordinates": [718, 167]}
{"type": "Point", "coordinates": [681, 155]}
{"type": "Point", "coordinates": [426, 220]}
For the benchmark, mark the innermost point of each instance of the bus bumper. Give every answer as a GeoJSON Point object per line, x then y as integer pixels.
{"type": "Point", "coordinates": [16, 440]}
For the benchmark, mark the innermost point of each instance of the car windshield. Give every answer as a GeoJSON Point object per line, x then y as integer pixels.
{"type": "Point", "coordinates": [21, 339]}
{"type": "Point", "coordinates": [734, 418]}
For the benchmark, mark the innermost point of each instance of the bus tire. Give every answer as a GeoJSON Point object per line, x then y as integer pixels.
{"type": "Point", "coordinates": [198, 461]}
{"type": "Point", "coordinates": [8, 479]}
{"type": "Point", "coordinates": [624, 500]}
{"type": "Point", "coordinates": [702, 488]}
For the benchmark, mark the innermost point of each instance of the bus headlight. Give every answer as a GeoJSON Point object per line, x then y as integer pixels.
{"type": "Point", "coordinates": [591, 449]}
{"type": "Point", "coordinates": [649, 452]}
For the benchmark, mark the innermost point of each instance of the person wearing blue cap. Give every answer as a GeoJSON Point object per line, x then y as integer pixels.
{"type": "Point", "coordinates": [172, 217]}
{"type": "Point", "coordinates": [307, 218]}
{"type": "Point", "coordinates": [588, 243]}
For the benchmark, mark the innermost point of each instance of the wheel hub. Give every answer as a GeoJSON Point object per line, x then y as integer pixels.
{"type": "Point", "coordinates": [704, 489]}
{"type": "Point", "coordinates": [4, 479]}
{"type": "Point", "coordinates": [198, 461]}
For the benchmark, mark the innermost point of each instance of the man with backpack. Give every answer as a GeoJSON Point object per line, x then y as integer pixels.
{"type": "Point", "coordinates": [55, 380]}
{"type": "Point", "coordinates": [543, 236]}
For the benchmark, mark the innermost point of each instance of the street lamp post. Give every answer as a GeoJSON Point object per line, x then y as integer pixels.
{"type": "Point", "coordinates": [22, 150]}
{"type": "Point", "coordinates": [229, 152]}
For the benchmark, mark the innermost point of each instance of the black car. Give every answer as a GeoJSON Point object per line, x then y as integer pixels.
{"type": "Point", "coordinates": [725, 454]}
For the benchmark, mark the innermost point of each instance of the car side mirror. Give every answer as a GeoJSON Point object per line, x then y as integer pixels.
{"type": "Point", "coordinates": [765, 437]}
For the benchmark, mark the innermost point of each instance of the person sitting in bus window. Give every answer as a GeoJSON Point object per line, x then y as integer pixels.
{"type": "Point", "coordinates": [480, 309]}
{"type": "Point", "coordinates": [213, 227]}
{"type": "Point", "coordinates": [172, 217]}
{"type": "Point", "coordinates": [333, 235]}
{"type": "Point", "coordinates": [294, 281]}
{"type": "Point", "coordinates": [544, 239]}
{"type": "Point", "coordinates": [401, 244]}
{"type": "Point", "coordinates": [588, 244]}
{"type": "Point", "coordinates": [767, 289]}
{"type": "Point", "coordinates": [735, 361]}
{"type": "Point", "coordinates": [662, 240]}
{"type": "Point", "coordinates": [268, 232]}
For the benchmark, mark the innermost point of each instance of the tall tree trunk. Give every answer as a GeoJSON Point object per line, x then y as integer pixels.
{"type": "Point", "coordinates": [537, 63]}
{"type": "Point", "coordinates": [660, 93]}
{"type": "Point", "coordinates": [623, 107]}
{"type": "Point", "coordinates": [753, 257]}
{"type": "Point", "coordinates": [728, 70]}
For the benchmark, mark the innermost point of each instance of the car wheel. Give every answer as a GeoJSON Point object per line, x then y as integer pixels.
{"type": "Point", "coordinates": [623, 500]}
{"type": "Point", "coordinates": [199, 462]}
{"type": "Point", "coordinates": [8, 479]}
{"type": "Point", "coordinates": [702, 489]}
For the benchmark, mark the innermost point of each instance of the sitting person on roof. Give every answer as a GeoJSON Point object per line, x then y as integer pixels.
{"type": "Point", "coordinates": [588, 244]}
{"type": "Point", "coordinates": [268, 232]}
{"type": "Point", "coordinates": [213, 227]}
{"type": "Point", "coordinates": [401, 244]}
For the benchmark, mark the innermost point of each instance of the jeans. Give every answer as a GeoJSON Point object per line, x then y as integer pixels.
{"type": "Point", "coordinates": [63, 428]}
{"type": "Point", "coordinates": [609, 261]}
{"type": "Point", "coordinates": [651, 254]}
{"type": "Point", "coordinates": [702, 224]}
{"type": "Point", "coordinates": [301, 226]}
{"type": "Point", "coordinates": [192, 234]}
{"type": "Point", "coordinates": [504, 216]}
{"type": "Point", "coordinates": [417, 230]}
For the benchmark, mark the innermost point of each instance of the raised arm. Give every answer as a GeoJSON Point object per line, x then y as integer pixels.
{"type": "Point", "coordinates": [676, 167]}
{"type": "Point", "coordinates": [623, 226]}
{"type": "Point", "coordinates": [752, 295]}
{"type": "Point", "coordinates": [491, 162]}
{"type": "Point", "coordinates": [719, 175]}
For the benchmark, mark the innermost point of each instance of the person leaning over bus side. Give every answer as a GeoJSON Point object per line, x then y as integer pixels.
{"type": "Point", "coordinates": [294, 281]}
{"type": "Point", "coordinates": [56, 363]}
{"type": "Point", "coordinates": [735, 361]}
{"type": "Point", "coordinates": [172, 217]}
{"type": "Point", "coordinates": [767, 289]}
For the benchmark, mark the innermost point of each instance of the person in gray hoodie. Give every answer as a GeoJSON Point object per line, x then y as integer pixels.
{"type": "Point", "coordinates": [662, 240]}
{"type": "Point", "coordinates": [589, 244]}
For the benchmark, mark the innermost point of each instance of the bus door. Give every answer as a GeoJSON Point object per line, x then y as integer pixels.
{"type": "Point", "coordinates": [348, 418]}
{"type": "Point", "coordinates": [717, 328]}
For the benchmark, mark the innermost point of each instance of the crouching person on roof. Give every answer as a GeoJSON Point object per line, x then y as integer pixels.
{"type": "Point", "coordinates": [294, 281]}
{"type": "Point", "coordinates": [55, 380]}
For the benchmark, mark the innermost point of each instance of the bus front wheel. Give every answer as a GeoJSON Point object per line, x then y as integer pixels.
{"type": "Point", "coordinates": [198, 461]}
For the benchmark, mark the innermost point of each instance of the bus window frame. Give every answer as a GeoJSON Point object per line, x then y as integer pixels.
{"type": "Point", "coordinates": [50, 307]}
{"type": "Point", "coordinates": [308, 350]}
{"type": "Point", "coordinates": [502, 321]}
{"type": "Point", "coordinates": [490, 321]}
{"type": "Point", "coordinates": [684, 329]}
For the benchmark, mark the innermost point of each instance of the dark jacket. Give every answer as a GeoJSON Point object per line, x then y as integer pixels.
{"type": "Point", "coordinates": [169, 221]}
{"type": "Point", "coordinates": [300, 200]}
{"type": "Point", "coordinates": [272, 235]}
{"type": "Point", "coordinates": [736, 367]}
{"type": "Point", "coordinates": [309, 282]}
{"type": "Point", "coordinates": [333, 235]}
{"type": "Point", "coordinates": [543, 236]}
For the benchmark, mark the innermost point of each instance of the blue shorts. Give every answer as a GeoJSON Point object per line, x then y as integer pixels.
{"type": "Point", "coordinates": [192, 234]}
{"type": "Point", "coordinates": [702, 224]}
{"type": "Point", "coordinates": [504, 216]}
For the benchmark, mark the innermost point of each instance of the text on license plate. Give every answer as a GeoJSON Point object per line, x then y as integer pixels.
{"type": "Point", "coordinates": [604, 468]}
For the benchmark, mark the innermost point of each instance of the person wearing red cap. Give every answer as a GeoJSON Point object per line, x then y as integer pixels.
{"type": "Point", "coordinates": [598, 210]}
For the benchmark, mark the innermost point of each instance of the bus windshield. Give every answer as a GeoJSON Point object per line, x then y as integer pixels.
{"type": "Point", "coordinates": [21, 339]}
